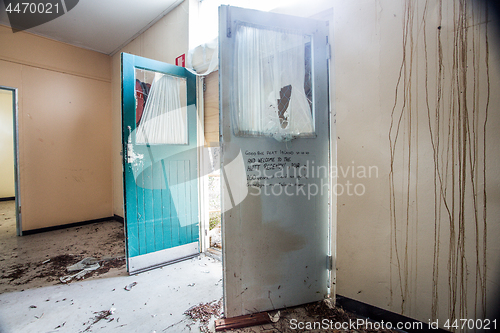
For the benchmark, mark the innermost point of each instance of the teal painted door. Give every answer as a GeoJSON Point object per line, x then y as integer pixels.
{"type": "Point", "coordinates": [159, 163]}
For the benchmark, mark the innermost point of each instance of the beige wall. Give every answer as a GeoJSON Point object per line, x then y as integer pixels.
{"type": "Point", "coordinates": [397, 246]}
{"type": "Point", "coordinates": [64, 128]}
{"type": "Point", "coordinates": [164, 41]}
{"type": "Point", "coordinates": [7, 182]}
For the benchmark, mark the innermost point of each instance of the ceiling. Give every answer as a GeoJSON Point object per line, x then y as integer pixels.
{"type": "Point", "coordinates": [102, 25]}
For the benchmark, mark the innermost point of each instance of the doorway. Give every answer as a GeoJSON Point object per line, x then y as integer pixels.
{"type": "Point", "coordinates": [212, 153]}
{"type": "Point", "coordinates": [9, 162]}
{"type": "Point", "coordinates": [39, 259]}
{"type": "Point", "coordinates": [214, 203]}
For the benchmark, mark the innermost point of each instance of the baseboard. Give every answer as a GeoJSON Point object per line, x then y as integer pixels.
{"type": "Point", "coordinates": [119, 218]}
{"type": "Point", "coordinates": [379, 314]}
{"type": "Point", "coordinates": [8, 199]}
{"type": "Point", "coordinates": [70, 225]}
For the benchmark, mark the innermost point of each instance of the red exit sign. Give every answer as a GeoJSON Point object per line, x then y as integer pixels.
{"type": "Point", "coordinates": [181, 60]}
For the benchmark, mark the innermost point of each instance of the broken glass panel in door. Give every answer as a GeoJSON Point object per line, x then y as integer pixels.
{"type": "Point", "coordinates": [273, 91]}
{"type": "Point", "coordinates": [161, 112]}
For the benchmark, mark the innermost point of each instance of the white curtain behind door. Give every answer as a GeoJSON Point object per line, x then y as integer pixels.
{"type": "Point", "coordinates": [268, 62]}
{"type": "Point", "coordinates": [164, 120]}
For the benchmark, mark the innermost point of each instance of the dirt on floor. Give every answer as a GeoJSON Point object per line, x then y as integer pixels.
{"type": "Point", "coordinates": [312, 318]}
{"type": "Point", "coordinates": [41, 259]}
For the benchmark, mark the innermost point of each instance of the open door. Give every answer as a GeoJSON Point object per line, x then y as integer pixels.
{"type": "Point", "coordinates": [275, 160]}
{"type": "Point", "coordinates": [159, 163]}
{"type": "Point", "coordinates": [10, 159]}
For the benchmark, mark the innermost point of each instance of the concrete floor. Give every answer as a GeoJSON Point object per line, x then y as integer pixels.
{"type": "Point", "coordinates": [155, 304]}
{"type": "Point", "coordinates": [23, 259]}
{"type": "Point", "coordinates": [32, 299]}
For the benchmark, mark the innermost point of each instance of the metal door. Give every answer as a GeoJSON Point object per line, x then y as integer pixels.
{"type": "Point", "coordinates": [276, 224]}
{"type": "Point", "coordinates": [160, 170]}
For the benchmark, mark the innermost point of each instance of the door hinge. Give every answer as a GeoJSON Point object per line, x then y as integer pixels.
{"type": "Point", "coordinates": [329, 262]}
{"type": "Point", "coordinates": [328, 51]}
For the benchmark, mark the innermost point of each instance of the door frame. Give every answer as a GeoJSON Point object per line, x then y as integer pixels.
{"type": "Point", "coordinates": [17, 177]}
{"type": "Point", "coordinates": [203, 199]}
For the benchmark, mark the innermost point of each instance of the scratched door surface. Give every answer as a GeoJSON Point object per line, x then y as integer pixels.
{"type": "Point", "coordinates": [276, 191]}
{"type": "Point", "coordinates": [160, 168]}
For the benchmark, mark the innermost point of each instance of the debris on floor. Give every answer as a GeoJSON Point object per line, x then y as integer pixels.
{"type": "Point", "coordinates": [87, 263]}
{"type": "Point", "coordinates": [286, 320]}
{"type": "Point", "coordinates": [54, 270]}
{"type": "Point", "coordinates": [40, 259]}
{"type": "Point", "coordinates": [78, 276]}
{"type": "Point", "coordinates": [83, 266]}
{"type": "Point", "coordinates": [59, 326]}
{"type": "Point", "coordinates": [156, 303]}
{"type": "Point", "coordinates": [101, 315]}
{"type": "Point", "coordinates": [130, 286]}
{"type": "Point", "coordinates": [327, 310]}
{"type": "Point", "coordinates": [275, 317]}
{"type": "Point", "coordinates": [205, 313]}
